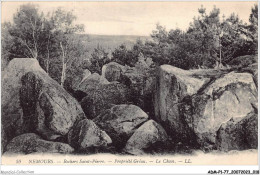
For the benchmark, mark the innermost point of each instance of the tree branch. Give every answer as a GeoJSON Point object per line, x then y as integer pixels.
{"type": "Point", "coordinates": [34, 39]}
{"type": "Point", "coordinates": [25, 43]}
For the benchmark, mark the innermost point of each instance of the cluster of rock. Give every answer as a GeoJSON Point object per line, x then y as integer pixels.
{"type": "Point", "coordinates": [132, 110]}
{"type": "Point", "coordinates": [38, 115]}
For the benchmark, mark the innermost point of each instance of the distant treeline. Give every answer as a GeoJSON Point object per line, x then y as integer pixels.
{"type": "Point", "coordinates": [211, 41]}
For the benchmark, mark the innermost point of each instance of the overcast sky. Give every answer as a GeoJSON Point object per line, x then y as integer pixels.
{"type": "Point", "coordinates": [133, 18]}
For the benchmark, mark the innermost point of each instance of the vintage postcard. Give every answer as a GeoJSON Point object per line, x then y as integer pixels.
{"type": "Point", "coordinates": [129, 83]}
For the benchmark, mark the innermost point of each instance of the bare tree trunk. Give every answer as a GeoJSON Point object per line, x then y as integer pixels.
{"type": "Point", "coordinates": [220, 52]}
{"type": "Point", "coordinates": [63, 74]}
{"type": "Point", "coordinates": [218, 60]}
{"type": "Point", "coordinates": [35, 55]}
{"type": "Point", "coordinates": [63, 71]}
{"type": "Point", "coordinates": [48, 56]}
{"type": "Point", "coordinates": [47, 63]}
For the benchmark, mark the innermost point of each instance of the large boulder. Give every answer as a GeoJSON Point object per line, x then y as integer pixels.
{"type": "Point", "coordinates": [120, 122]}
{"type": "Point", "coordinates": [89, 83]}
{"type": "Point", "coordinates": [173, 85]}
{"type": "Point", "coordinates": [146, 137]}
{"type": "Point", "coordinates": [103, 97]}
{"type": "Point", "coordinates": [47, 107]}
{"type": "Point", "coordinates": [233, 95]}
{"type": "Point", "coordinates": [238, 134]}
{"type": "Point", "coordinates": [194, 104]}
{"type": "Point", "coordinates": [12, 113]}
{"type": "Point", "coordinates": [78, 79]}
{"type": "Point", "coordinates": [113, 71]}
{"type": "Point", "coordinates": [33, 102]}
{"type": "Point", "coordinates": [31, 143]}
{"type": "Point", "coordinates": [86, 134]}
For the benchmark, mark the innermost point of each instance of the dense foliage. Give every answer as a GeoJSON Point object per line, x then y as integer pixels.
{"type": "Point", "coordinates": [51, 39]}
{"type": "Point", "coordinates": [211, 41]}
{"type": "Point", "coordinates": [98, 58]}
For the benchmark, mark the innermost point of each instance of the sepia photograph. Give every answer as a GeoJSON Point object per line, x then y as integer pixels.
{"type": "Point", "coordinates": [129, 83]}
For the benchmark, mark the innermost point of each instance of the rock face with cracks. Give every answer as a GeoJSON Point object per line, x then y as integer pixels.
{"type": "Point", "coordinates": [173, 85]}
{"type": "Point", "coordinates": [120, 122]}
{"type": "Point", "coordinates": [77, 80]}
{"type": "Point", "coordinates": [103, 97]}
{"type": "Point", "coordinates": [86, 134]}
{"type": "Point", "coordinates": [192, 105]}
{"type": "Point", "coordinates": [91, 82]}
{"type": "Point", "coordinates": [47, 107]}
{"type": "Point", "coordinates": [12, 112]}
{"type": "Point", "coordinates": [113, 71]}
{"type": "Point", "coordinates": [31, 143]}
{"type": "Point", "coordinates": [33, 102]}
{"type": "Point", "coordinates": [238, 134]}
{"type": "Point", "coordinates": [145, 137]}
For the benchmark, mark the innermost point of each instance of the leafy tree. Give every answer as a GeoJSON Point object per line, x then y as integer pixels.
{"type": "Point", "coordinates": [50, 42]}
{"type": "Point", "coordinates": [76, 56]}
{"type": "Point", "coordinates": [125, 56]}
{"type": "Point", "coordinates": [207, 30]}
{"type": "Point", "coordinates": [6, 53]}
{"type": "Point", "coordinates": [210, 41]}
{"type": "Point", "coordinates": [233, 40]}
{"type": "Point", "coordinates": [158, 48]}
{"type": "Point", "coordinates": [98, 59]}
{"type": "Point", "coordinates": [253, 29]}
{"type": "Point", "coordinates": [184, 50]}
{"type": "Point", "coordinates": [64, 28]}
{"type": "Point", "coordinates": [25, 35]}
{"type": "Point", "coordinates": [51, 39]}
